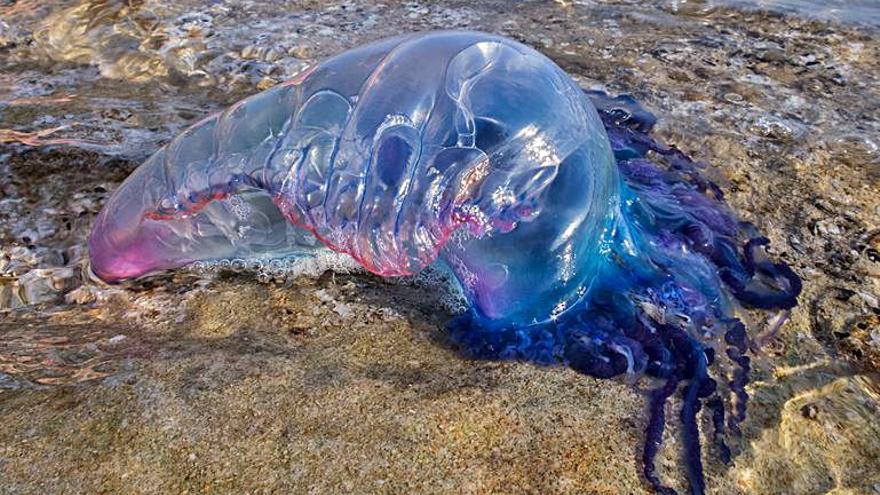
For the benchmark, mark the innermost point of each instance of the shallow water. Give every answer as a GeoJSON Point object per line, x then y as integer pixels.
{"type": "Point", "coordinates": [864, 12]}
{"type": "Point", "coordinates": [346, 383]}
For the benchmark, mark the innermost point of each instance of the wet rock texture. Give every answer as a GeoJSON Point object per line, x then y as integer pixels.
{"type": "Point", "coordinates": [223, 383]}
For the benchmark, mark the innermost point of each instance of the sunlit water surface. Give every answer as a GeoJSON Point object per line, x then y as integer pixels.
{"type": "Point", "coordinates": [863, 12]}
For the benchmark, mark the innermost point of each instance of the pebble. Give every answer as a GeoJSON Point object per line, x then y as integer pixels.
{"type": "Point", "coordinates": [775, 128]}
{"type": "Point", "coordinates": [733, 97]}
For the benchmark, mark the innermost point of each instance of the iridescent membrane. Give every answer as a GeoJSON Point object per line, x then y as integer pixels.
{"type": "Point", "coordinates": [576, 237]}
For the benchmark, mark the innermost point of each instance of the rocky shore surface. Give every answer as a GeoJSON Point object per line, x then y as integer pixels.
{"type": "Point", "coordinates": [233, 381]}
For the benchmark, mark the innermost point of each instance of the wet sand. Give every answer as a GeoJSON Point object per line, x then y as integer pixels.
{"type": "Point", "coordinates": [346, 383]}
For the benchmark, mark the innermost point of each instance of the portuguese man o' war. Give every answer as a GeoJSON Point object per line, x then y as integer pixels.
{"type": "Point", "coordinates": [575, 236]}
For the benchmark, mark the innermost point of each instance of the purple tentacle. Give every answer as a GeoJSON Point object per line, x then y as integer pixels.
{"type": "Point", "coordinates": [716, 405]}
{"type": "Point", "coordinates": [654, 434]}
{"type": "Point", "coordinates": [737, 341]}
{"type": "Point", "coordinates": [690, 431]}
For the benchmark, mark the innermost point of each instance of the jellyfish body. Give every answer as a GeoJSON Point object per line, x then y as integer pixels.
{"type": "Point", "coordinates": [576, 237]}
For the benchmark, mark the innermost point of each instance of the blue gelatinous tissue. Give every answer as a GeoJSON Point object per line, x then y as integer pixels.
{"type": "Point", "coordinates": [576, 237]}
